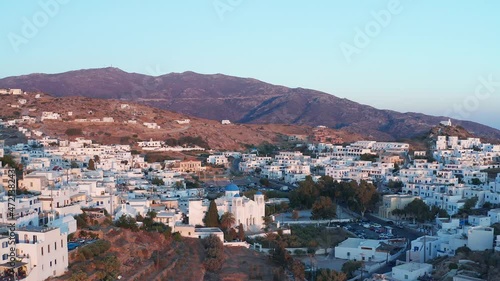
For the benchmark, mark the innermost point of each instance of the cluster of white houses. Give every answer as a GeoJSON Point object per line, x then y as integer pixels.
{"type": "Point", "coordinates": [61, 184]}
{"type": "Point", "coordinates": [338, 162]}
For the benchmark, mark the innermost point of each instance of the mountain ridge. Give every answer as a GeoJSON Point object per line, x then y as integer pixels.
{"type": "Point", "coordinates": [128, 118]}
{"type": "Point", "coordinates": [243, 100]}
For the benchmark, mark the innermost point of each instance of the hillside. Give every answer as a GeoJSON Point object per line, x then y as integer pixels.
{"type": "Point", "coordinates": [242, 100]}
{"type": "Point", "coordinates": [216, 135]}
{"type": "Point", "coordinates": [150, 256]}
{"type": "Point", "coordinates": [427, 140]}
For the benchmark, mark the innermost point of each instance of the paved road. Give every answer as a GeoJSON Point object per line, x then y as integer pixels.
{"type": "Point", "coordinates": [409, 234]}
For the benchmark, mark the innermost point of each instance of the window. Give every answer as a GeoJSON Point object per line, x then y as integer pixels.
{"type": "Point", "coordinates": [51, 264]}
{"type": "Point", "coordinates": [406, 276]}
{"type": "Point", "coordinates": [42, 251]}
{"type": "Point", "coordinates": [5, 256]}
{"type": "Point", "coordinates": [62, 246]}
{"type": "Point", "coordinates": [48, 248]}
{"type": "Point", "coordinates": [55, 245]}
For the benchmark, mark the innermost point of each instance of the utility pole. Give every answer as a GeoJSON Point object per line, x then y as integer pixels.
{"type": "Point", "coordinates": [425, 247]}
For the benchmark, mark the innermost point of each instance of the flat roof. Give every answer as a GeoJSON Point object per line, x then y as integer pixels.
{"type": "Point", "coordinates": [465, 277]}
{"type": "Point", "coordinates": [31, 228]}
{"type": "Point", "coordinates": [412, 266]}
{"type": "Point", "coordinates": [207, 229]}
{"type": "Point", "coordinates": [358, 242]}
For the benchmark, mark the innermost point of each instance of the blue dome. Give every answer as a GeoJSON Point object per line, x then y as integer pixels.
{"type": "Point", "coordinates": [258, 193]}
{"type": "Point", "coordinates": [237, 195]}
{"type": "Point", "coordinates": [232, 187]}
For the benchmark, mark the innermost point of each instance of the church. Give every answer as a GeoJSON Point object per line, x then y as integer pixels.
{"type": "Point", "coordinates": [246, 211]}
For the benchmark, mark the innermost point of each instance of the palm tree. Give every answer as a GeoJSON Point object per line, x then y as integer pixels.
{"type": "Point", "coordinates": [227, 220]}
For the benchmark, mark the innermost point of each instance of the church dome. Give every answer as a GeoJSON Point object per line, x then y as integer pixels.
{"type": "Point", "coordinates": [258, 193]}
{"type": "Point", "coordinates": [232, 187]}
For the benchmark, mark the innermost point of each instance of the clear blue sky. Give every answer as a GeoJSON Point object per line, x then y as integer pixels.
{"type": "Point", "coordinates": [427, 57]}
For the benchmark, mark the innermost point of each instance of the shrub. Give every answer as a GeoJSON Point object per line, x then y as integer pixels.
{"type": "Point", "coordinates": [299, 252]}
{"type": "Point", "coordinates": [74, 132]}
{"type": "Point", "coordinates": [452, 266]}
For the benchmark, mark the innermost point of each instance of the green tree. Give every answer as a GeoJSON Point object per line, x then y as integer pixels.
{"type": "Point", "coordinates": [298, 269]}
{"type": "Point", "coordinates": [323, 208]}
{"type": "Point", "coordinates": [108, 268]}
{"type": "Point", "coordinates": [350, 267]}
{"type": "Point", "coordinates": [469, 204]}
{"type": "Point", "coordinates": [74, 165]}
{"type": "Point", "coordinates": [475, 181]}
{"type": "Point", "coordinates": [78, 276]}
{"type": "Point", "coordinates": [211, 218]}
{"type": "Point", "coordinates": [214, 253]}
{"type": "Point", "coordinates": [241, 232]}
{"type": "Point", "coordinates": [295, 215]}
{"type": "Point", "coordinates": [368, 157]}
{"type": "Point", "coordinates": [157, 181]}
{"type": "Point", "coordinates": [366, 196]}
{"type": "Point", "coordinates": [127, 222]}
{"type": "Point", "coordinates": [325, 274]}
{"type": "Point", "coordinates": [227, 220]}
{"type": "Point", "coordinates": [91, 165]}
{"type": "Point", "coordinates": [279, 254]}
{"type": "Point", "coordinates": [305, 195]}
{"type": "Point", "coordinates": [264, 182]}
{"type": "Point", "coordinates": [398, 213]}
{"type": "Point", "coordinates": [267, 222]}
{"type": "Point", "coordinates": [418, 210]}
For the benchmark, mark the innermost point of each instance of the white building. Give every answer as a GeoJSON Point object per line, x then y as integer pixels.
{"type": "Point", "coordinates": [47, 251]}
{"type": "Point", "coordinates": [479, 220]}
{"type": "Point", "coordinates": [246, 211]}
{"type": "Point", "coordinates": [411, 271]}
{"type": "Point", "coordinates": [360, 250]}
{"type": "Point", "coordinates": [217, 160]}
{"type": "Point", "coordinates": [15, 92]}
{"type": "Point", "coordinates": [108, 119]}
{"type": "Point", "coordinates": [494, 214]}
{"type": "Point", "coordinates": [446, 123]}
{"type": "Point", "coordinates": [184, 121]}
{"type": "Point", "coordinates": [151, 125]}
{"type": "Point", "coordinates": [47, 115]}
{"type": "Point", "coordinates": [423, 249]}
{"type": "Point", "coordinates": [201, 232]}
{"type": "Point", "coordinates": [225, 122]}
{"type": "Point", "coordinates": [480, 238]}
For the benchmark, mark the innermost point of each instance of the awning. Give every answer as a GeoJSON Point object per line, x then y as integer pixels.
{"type": "Point", "coordinates": [13, 265]}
